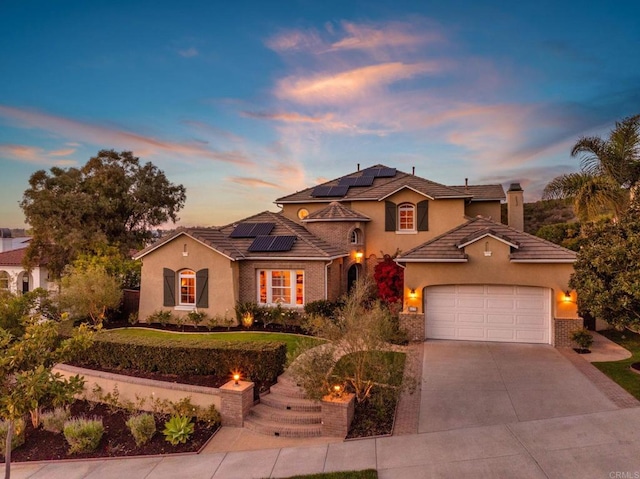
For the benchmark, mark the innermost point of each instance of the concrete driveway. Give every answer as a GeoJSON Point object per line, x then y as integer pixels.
{"type": "Point", "coordinates": [487, 410]}
{"type": "Point", "coordinates": [467, 384]}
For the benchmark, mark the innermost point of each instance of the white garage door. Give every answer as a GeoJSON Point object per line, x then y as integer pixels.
{"type": "Point", "coordinates": [520, 314]}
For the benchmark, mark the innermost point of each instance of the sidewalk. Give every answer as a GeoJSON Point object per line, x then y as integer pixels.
{"type": "Point", "coordinates": [565, 444]}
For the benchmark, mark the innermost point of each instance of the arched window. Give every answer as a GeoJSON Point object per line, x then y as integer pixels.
{"type": "Point", "coordinates": [406, 217]}
{"type": "Point", "coordinates": [355, 237]}
{"type": "Point", "coordinates": [187, 280]}
{"type": "Point", "coordinates": [4, 280]}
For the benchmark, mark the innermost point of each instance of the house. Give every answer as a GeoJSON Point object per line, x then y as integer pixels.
{"type": "Point", "coordinates": [13, 276]}
{"type": "Point", "coordinates": [467, 276]}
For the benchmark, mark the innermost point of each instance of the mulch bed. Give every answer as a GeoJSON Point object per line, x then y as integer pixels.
{"type": "Point", "coordinates": [41, 445]}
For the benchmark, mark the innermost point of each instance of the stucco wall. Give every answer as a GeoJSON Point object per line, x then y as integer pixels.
{"type": "Point", "coordinates": [223, 290]}
{"type": "Point", "coordinates": [494, 269]}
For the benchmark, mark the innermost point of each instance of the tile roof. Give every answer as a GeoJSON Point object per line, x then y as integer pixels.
{"type": "Point", "coordinates": [335, 212]}
{"type": "Point", "coordinates": [483, 192]}
{"type": "Point", "coordinates": [529, 248]}
{"type": "Point", "coordinates": [380, 189]}
{"type": "Point", "coordinates": [13, 257]}
{"type": "Point", "coordinates": [306, 246]}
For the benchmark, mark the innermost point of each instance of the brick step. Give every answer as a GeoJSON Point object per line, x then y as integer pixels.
{"type": "Point", "coordinates": [288, 390]}
{"type": "Point", "coordinates": [293, 404]}
{"type": "Point", "coordinates": [271, 428]}
{"type": "Point", "coordinates": [283, 416]}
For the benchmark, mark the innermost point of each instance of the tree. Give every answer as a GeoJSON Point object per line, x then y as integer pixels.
{"type": "Point", "coordinates": [607, 271]}
{"type": "Point", "coordinates": [27, 382]}
{"type": "Point", "coordinates": [360, 329]}
{"type": "Point", "coordinates": [89, 291]}
{"type": "Point", "coordinates": [609, 170]}
{"type": "Point", "coordinates": [112, 200]}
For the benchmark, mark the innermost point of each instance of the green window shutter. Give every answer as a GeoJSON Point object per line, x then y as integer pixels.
{"type": "Point", "coordinates": [202, 288]}
{"type": "Point", "coordinates": [169, 282]}
{"type": "Point", "coordinates": [390, 216]}
{"type": "Point", "coordinates": [423, 215]}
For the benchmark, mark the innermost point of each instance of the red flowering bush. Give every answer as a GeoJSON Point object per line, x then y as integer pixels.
{"type": "Point", "coordinates": [389, 277]}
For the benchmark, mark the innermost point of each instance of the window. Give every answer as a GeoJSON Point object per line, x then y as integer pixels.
{"type": "Point", "coordinates": [4, 280]}
{"type": "Point", "coordinates": [303, 213]}
{"type": "Point", "coordinates": [192, 288]}
{"type": "Point", "coordinates": [285, 287]}
{"type": "Point", "coordinates": [406, 217]}
{"type": "Point", "coordinates": [187, 280]}
{"type": "Point", "coordinates": [355, 236]}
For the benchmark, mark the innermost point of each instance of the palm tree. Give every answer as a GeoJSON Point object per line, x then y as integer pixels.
{"type": "Point", "coordinates": [609, 170]}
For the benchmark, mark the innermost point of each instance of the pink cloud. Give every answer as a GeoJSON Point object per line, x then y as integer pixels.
{"type": "Point", "coordinates": [35, 155]}
{"type": "Point", "coordinates": [253, 182]}
{"type": "Point", "coordinates": [375, 37]}
{"type": "Point", "coordinates": [295, 40]}
{"type": "Point", "coordinates": [349, 85]}
{"type": "Point", "coordinates": [117, 138]}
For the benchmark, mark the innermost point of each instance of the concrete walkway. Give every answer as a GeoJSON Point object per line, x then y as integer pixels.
{"type": "Point", "coordinates": [485, 410]}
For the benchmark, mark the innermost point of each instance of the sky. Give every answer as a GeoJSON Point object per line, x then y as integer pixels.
{"type": "Point", "coordinates": [243, 102]}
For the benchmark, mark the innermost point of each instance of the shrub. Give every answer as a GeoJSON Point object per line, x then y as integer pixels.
{"type": "Point", "coordinates": [163, 317]}
{"type": "Point", "coordinates": [82, 434]}
{"type": "Point", "coordinates": [210, 415]}
{"type": "Point", "coordinates": [583, 338]}
{"type": "Point", "coordinates": [178, 429]}
{"type": "Point", "coordinates": [259, 361]}
{"type": "Point", "coordinates": [17, 439]}
{"type": "Point", "coordinates": [54, 420]}
{"type": "Point", "coordinates": [142, 427]}
{"type": "Point", "coordinates": [196, 317]}
{"type": "Point", "coordinates": [322, 307]}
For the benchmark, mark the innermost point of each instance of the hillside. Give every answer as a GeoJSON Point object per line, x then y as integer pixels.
{"type": "Point", "coordinates": [544, 212]}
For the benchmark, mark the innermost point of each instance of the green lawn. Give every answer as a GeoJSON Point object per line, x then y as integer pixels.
{"type": "Point", "coordinates": [294, 342]}
{"type": "Point", "coordinates": [365, 474]}
{"type": "Point", "coordinates": [619, 371]}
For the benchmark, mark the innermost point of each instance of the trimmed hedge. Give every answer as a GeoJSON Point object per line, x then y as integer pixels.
{"type": "Point", "coordinates": [258, 361]}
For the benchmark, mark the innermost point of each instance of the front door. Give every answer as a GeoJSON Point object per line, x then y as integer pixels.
{"type": "Point", "coordinates": [352, 275]}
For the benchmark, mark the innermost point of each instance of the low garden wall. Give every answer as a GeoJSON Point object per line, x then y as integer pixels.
{"type": "Point", "coordinates": [133, 389]}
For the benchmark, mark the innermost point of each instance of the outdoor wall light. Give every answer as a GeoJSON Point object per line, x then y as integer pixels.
{"type": "Point", "coordinates": [567, 296]}
{"type": "Point", "coordinates": [412, 293]}
{"type": "Point", "coordinates": [359, 255]}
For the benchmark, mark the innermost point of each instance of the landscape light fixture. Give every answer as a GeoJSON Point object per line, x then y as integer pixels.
{"type": "Point", "coordinates": [236, 378]}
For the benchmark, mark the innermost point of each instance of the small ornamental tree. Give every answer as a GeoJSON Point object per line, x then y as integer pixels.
{"type": "Point", "coordinates": [27, 382]}
{"type": "Point", "coordinates": [607, 271]}
{"type": "Point", "coordinates": [89, 292]}
{"type": "Point", "coordinates": [389, 277]}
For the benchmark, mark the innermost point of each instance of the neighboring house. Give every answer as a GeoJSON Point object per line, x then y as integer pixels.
{"type": "Point", "coordinates": [13, 276]}
{"type": "Point", "coordinates": [466, 275]}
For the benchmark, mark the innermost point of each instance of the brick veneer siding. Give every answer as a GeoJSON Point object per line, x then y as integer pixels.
{"type": "Point", "coordinates": [335, 287]}
{"type": "Point", "coordinates": [563, 329]}
{"type": "Point", "coordinates": [337, 415]}
{"type": "Point", "coordinates": [413, 325]}
{"type": "Point", "coordinates": [235, 402]}
{"type": "Point", "coordinates": [313, 277]}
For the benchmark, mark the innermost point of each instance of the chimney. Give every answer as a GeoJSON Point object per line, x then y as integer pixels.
{"type": "Point", "coordinates": [515, 207]}
{"type": "Point", "coordinates": [413, 170]}
{"type": "Point", "coordinates": [358, 166]}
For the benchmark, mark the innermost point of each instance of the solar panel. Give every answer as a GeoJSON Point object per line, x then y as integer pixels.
{"type": "Point", "coordinates": [272, 243]}
{"type": "Point", "coordinates": [364, 181]}
{"type": "Point", "coordinates": [283, 243]}
{"type": "Point", "coordinates": [251, 230]}
{"type": "Point", "coordinates": [326, 191]}
{"type": "Point", "coordinates": [380, 172]}
{"type": "Point", "coordinates": [356, 181]}
{"type": "Point", "coordinates": [320, 191]}
{"type": "Point", "coordinates": [349, 181]}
